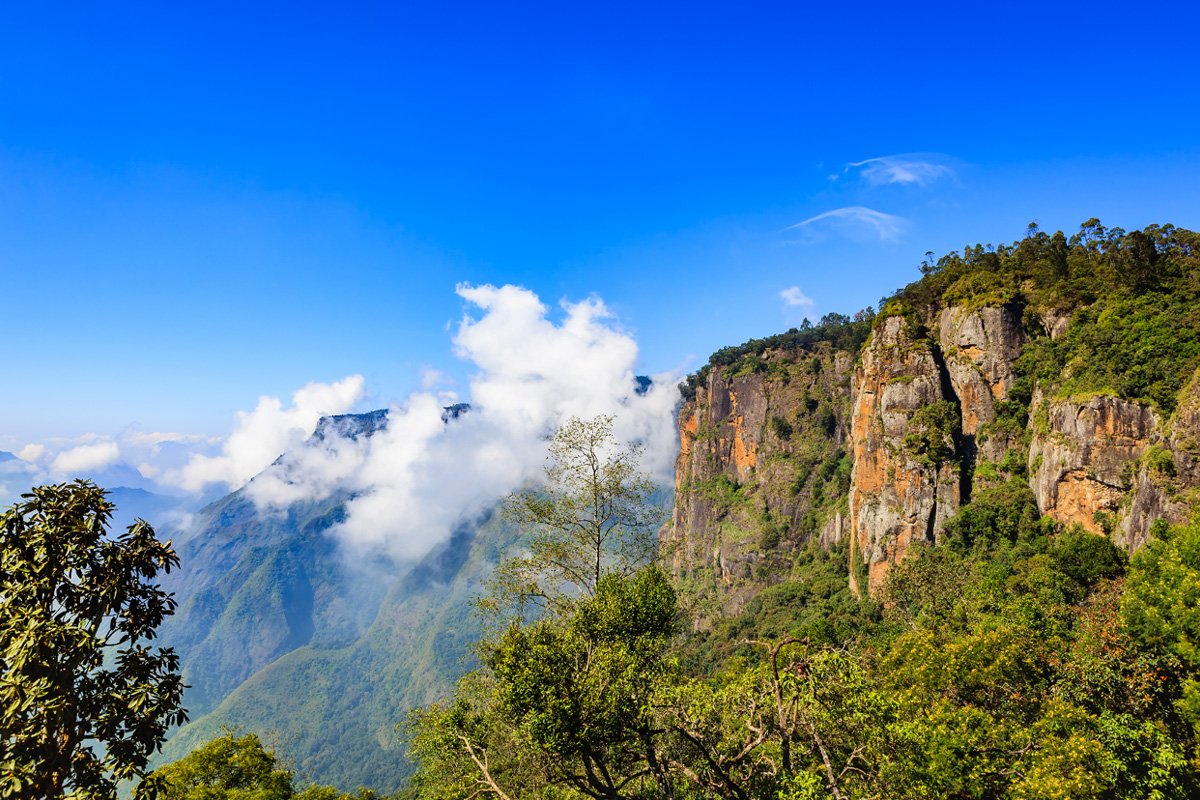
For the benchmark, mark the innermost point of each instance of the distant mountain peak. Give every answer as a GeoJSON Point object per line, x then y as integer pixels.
{"type": "Point", "coordinates": [350, 426]}
{"type": "Point", "coordinates": [455, 411]}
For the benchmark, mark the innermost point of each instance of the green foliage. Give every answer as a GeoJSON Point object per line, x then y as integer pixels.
{"type": "Point", "coordinates": [239, 768]}
{"type": "Point", "coordinates": [593, 517]}
{"type": "Point", "coordinates": [581, 685]}
{"type": "Point", "coordinates": [814, 602]}
{"type": "Point", "coordinates": [1087, 558]}
{"type": "Point", "coordinates": [1162, 598]}
{"type": "Point", "coordinates": [997, 515]}
{"type": "Point", "coordinates": [1160, 461]}
{"type": "Point", "coordinates": [84, 699]}
{"type": "Point", "coordinates": [1134, 300]}
{"type": "Point", "coordinates": [564, 701]}
{"type": "Point", "coordinates": [840, 331]}
{"type": "Point", "coordinates": [933, 432]}
{"type": "Point", "coordinates": [227, 768]}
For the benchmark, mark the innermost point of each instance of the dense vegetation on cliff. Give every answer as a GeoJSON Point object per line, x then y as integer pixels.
{"type": "Point", "coordinates": [1134, 297]}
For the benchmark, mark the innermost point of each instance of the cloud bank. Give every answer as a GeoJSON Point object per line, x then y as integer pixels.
{"type": "Point", "coordinates": [264, 433]}
{"type": "Point", "coordinates": [412, 483]}
{"type": "Point", "coordinates": [131, 458]}
{"type": "Point", "coordinates": [408, 486]}
{"type": "Point", "coordinates": [86, 457]}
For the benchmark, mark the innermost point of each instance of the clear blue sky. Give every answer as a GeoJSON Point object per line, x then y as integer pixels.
{"type": "Point", "coordinates": [201, 205]}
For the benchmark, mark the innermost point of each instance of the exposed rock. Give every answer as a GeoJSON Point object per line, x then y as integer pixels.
{"type": "Point", "coordinates": [1167, 484]}
{"type": "Point", "coordinates": [1081, 465]}
{"type": "Point", "coordinates": [980, 347]}
{"type": "Point", "coordinates": [833, 530]}
{"type": "Point", "coordinates": [1149, 503]}
{"type": "Point", "coordinates": [895, 498]}
{"type": "Point", "coordinates": [1185, 434]}
{"type": "Point", "coordinates": [752, 448]}
{"type": "Point", "coordinates": [1055, 322]}
{"type": "Point", "coordinates": [745, 500]}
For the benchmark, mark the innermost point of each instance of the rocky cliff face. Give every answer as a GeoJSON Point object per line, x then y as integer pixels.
{"type": "Point", "coordinates": [1083, 456]}
{"type": "Point", "coordinates": [1115, 466]}
{"type": "Point", "coordinates": [761, 470]}
{"type": "Point", "coordinates": [917, 419]}
{"type": "Point", "coordinates": [906, 482]}
{"type": "Point", "coordinates": [980, 348]}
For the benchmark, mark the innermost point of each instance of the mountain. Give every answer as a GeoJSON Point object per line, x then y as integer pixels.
{"type": "Point", "coordinates": [133, 504]}
{"type": "Point", "coordinates": [279, 633]}
{"type": "Point", "coordinates": [332, 708]}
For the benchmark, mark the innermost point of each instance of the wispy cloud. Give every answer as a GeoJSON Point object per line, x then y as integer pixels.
{"type": "Point", "coordinates": [905, 169]}
{"type": "Point", "coordinates": [794, 298]}
{"type": "Point", "coordinates": [854, 222]}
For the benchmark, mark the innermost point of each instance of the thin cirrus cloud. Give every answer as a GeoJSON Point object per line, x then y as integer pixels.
{"type": "Point", "coordinates": [905, 169]}
{"type": "Point", "coordinates": [855, 222]}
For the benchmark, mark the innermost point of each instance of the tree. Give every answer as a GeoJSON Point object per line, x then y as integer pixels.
{"type": "Point", "coordinates": [227, 768]}
{"type": "Point", "coordinates": [239, 768]}
{"type": "Point", "coordinates": [562, 705]}
{"type": "Point", "coordinates": [593, 517]}
{"type": "Point", "coordinates": [84, 699]}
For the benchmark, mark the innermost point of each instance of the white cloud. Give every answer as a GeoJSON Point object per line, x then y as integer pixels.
{"type": "Point", "coordinates": [261, 435]}
{"type": "Point", "coordinates": [794, 298]}
{"type": "Point", "coordinates": [415, 481]}
{"type": "Point", "coordinates": [31, 452]}
{"type": "Point", "coordinates": [853, 222]}
{"type": "Point", "coordinates": [86, 457]}
{"type": "Point", "coordinates": [905, 169]}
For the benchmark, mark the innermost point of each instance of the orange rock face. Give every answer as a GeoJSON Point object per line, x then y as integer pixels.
{"type": "Point", "coordinates": [896, 500]}
{"type": "Point", "coordinates": [743, 441]}
{"type": "Point", "coordinates": [1090, 460]}
{"type": "Point", "coordinates": [1086, 463]}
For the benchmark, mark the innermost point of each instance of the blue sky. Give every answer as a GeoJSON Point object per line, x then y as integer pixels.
{"type": "Point", "coordinates": [202, 205]}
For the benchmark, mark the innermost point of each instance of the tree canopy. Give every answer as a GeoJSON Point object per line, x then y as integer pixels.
{"type": "Point", "coordinates": [85, 699]}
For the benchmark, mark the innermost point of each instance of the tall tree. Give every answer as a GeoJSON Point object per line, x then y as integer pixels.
{"type": "Point", "coordinates": [563, 705]}
{"type": "Point", "coordinates": [592, 517]}
{"type": "Point", "coordinates": [84, 698]}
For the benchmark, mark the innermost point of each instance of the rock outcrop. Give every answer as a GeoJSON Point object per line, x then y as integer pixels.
{"type": "Point", "coordinates": [1081, 462]}
{"type": "Point", "coordinates": [914, 422]}
{"type": "Point", "coordinates": [757, 473]}
{"type": "Point", "coordinates": [1184, 439]}
{"type": "Point", "coordinates": [898, 494]}
{"type": "Point", "coordinates": [980, 347]}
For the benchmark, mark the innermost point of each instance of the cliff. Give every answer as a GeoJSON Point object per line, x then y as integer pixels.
{"type": "Point", "coordinates": [762, 469]}
{"type": "Point", "coordinates": [1067, 367]}
{"type": "Point", "coordinates": [906, 435]}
